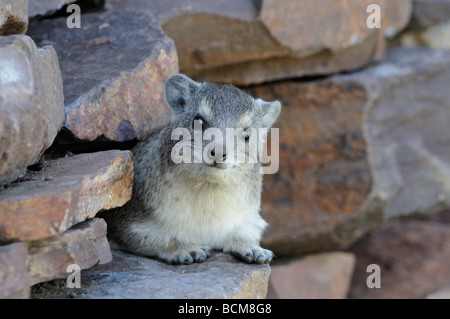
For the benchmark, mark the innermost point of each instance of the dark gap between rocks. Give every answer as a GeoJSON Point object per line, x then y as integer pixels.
{"type": "Point", "coordinates": [86, 6]}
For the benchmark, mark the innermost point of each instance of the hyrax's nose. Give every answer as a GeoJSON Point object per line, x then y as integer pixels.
{"type": "Point", "coordinates": [213, 154]}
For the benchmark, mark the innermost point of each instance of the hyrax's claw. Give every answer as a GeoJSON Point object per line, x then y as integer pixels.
{"type": "Point", "coordinates": [177, 260]}
{"type": "Point", "coordinates": [188, 255]}
{"type": "Point", "coordinates": [254, 255]}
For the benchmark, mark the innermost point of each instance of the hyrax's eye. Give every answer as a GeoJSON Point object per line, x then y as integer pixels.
{"type": "Point", "coordinates": [246, 134]}
{"type": "Point", "coordinates": [199, 121]}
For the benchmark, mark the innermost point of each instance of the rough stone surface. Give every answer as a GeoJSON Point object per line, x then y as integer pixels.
{"type": "Point", "coordinates": [13, 271]}
{"type": "Point", "coordinates": [66, 192]}
{"type": "Point", "coordinates": [130, 277]}
{"type": "Point", "coordinates": [358, 149]}
{"type": "Point", "coordinates": [320, 276]}
{"type": "Point", "coordinates": [413, 256]}
{"type": "Point", "coordinates": [45, 7]}
{"type": "Point", "coordinates": [13, 17]}
{"type": "Point", "coordinates": [114, 69]}
{"type": "Point", "coordinates": [245, 42]}
{"type": "Point", "coordinates": [427, 13]}
{"type": "Point", "coordinates": [31, 103]}
{"type": "Point", "coordinates": [84, 244]}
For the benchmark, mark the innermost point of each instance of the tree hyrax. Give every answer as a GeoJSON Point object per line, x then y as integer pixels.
{"type": "Point", "coordinates": [182, 209]}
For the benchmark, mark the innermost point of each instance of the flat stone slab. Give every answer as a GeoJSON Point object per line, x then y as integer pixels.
{"type": "Point", "coordinates": [67, 191]}
{"type": "Point", "coordinates": [129, 276]}
{"type": "Point", "coordinates": [113, 68]}
{"type": "Point", "coordinates": [84, 245]}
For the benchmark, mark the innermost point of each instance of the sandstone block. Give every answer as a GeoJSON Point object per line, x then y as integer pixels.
{"type": "Point", "coordinates": [13, 271]}
{"type": "Point", "coordinates": [358, 149]}
{"type": "Point", "coordinates": [248, 42]}
{"type": "Point", "coordinates": [134, 277]}
{"type": "Point", "coordinates": [320, 276]}
{"type": "Point", "coordinates": [84, 244]}
{"type": "Point", "coordinates": [67, 191]}
{"type": "Point", "coordinates": [31, 103]}
{"type": "Point", "coordinates": [114, 69]}
{"type": "Point", "coordinates": [13, 17]}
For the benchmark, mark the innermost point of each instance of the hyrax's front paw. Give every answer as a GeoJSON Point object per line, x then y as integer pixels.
{"type": "Point", "coordinates": [253, 254]}
{"type": "Point", "coordinates": [186, 255]}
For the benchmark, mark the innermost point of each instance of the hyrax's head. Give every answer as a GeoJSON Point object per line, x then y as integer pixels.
{"type": "Point", "coordinates": [222, 128]}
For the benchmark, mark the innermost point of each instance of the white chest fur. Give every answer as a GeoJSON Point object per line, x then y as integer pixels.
{"type": "Point", "coordinates": [206, 213]}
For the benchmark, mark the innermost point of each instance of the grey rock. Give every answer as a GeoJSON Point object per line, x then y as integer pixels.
{"type": "Point", "coordinates": [13, 17]}
{"type": "Point", "coordinates": [114, 68]}
{"type": "Point", "coordinates": [129, 276]}
{"type": "Point", "coordinates": [31, 103]}
{"type": "Point", "coordinates": [406, 129]}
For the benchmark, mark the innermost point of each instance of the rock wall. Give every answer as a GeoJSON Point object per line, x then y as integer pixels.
{"type": "Point", "coordinates": [364, 139]}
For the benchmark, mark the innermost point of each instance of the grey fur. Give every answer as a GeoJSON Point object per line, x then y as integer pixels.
{"type": "Point", "coordinates": [180, 212]}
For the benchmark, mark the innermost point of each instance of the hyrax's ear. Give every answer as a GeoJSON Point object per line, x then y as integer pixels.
{"type": "Point", "coordinates": [179, 90]}
{"type": "Point", "coordinates": [269, 112]}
